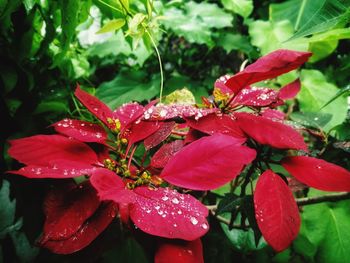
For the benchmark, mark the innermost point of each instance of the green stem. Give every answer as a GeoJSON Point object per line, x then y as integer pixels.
{"type": "Point", "coordinates": [160, 65]}
{"type": "Point", "coordinates": [301, 11]}
{"type": "Point", "coordinates": [110, 6]}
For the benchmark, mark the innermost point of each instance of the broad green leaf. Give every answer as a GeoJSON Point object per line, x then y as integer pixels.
{"type": "Point", "coordinates": [325, 228]}
{"type": "Point", "coordinates": [232, 41]}
{"type": "Point", "coordinates": [112, 25]}
{"type": "Point", "coordinates": [335, 34]}
{"type": "Point", "coordinates": [69, 21]}
{"type": "Point", "coordinates": [24, 250]}
{"type": "Point", "coordinates": [311, 119]}
{"type": "Point", "coordinates": [128, 86]}
{"type": "Point", "coordinates": [269, 36]}
{"type": "Point", "coordinates": [7, 209]}
{"type": "Point", "coordinates": [181, 96]}
{"type": "Point", "coordinates": [241, 7]}
{"type": "Point", "coordinates": [343, 91]}
{"type": "Point", "coordinates": [196, 21]}
{"type": "Point", "coordinates": [321, 49]}
{"type": "Point", "coordinates": [315, 92]}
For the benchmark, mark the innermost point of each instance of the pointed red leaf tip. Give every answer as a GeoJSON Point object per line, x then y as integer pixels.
{"type": "Point", "coordinates": [214, 123]}
{"type": "Point", "coordinates": [160, 135]}
{"type": "Point", "coordinates": [111, 187]}
{"type": "Point", "coordinates": [166, 213]}
{"type": "Point", "coordinates": [208, 163]}
{"type": "Point", "coordinates": [267, 67]}
{"type": "Point", "coordinates": [276, 211]}
{"type": "Point", "coordinates": [87, 233]}
{"type": "Point", "coordinates": [42, 150]}
{"type": "Point", "coordinates": [256, 97]}
{"type": "Point", "coordinates": [165, 153]}
{"type": "Point", "coordinates": [66, 209]}
{"type": "Point", "coordinates": [318, 173]}
{"type": "Point", "coordinates": [267, 131]}
{"type": "Point", "coordinates": [128, 113]}
{"type": "Point", "coordinates": [95, 106]}
{"type": "Point", "coordinates": [81, 130]}
{"type": "Point", "coordinates": [176, 251]}
{"type": "Point", "coordinates": [290, 90]}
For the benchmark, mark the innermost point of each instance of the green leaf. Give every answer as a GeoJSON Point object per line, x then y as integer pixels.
{"type": "Point", "coordinates": [242, 7]}
{"type": "Point", "coordinates": [311, 119]}
{"type": "Point", "coordinates": [7, 209]}
{"type": "Point", "coordinates": [232, 41]}
{"type": "Point", "coordinates": [269, 36]}
{"type": "Point", "coordinates": [24, 250]}
{"type": "Point", "coordinates": [325, 227]}
{"type": "Point", "coordinates": [181, 96]}
{"type": "Point", "coordinates": [335, 34]}
{"type": "Point", "coordinates": [341, 92]}
{"type": "Point", "coordinates": [315, 92]}
{"type": "Point", "coordinates": [196, 21]}
{"type": "Point", "coordinates": [128, 86]}
{"type": "Point", "coordinates": [29, 4]}
{"type": "Point", "coordinates": [321, 49]}
{"type": "Point", "coordinates": [229, 203]}
{"type": "Point", "coordinates": [112, 25]}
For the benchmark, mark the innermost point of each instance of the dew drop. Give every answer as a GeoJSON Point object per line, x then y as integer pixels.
{"type": "Point", "coordinates": [164, 215]}
{"type": "Point", "coordinates": [148, 211]}
{"type": "Point", "coordinates": [163, 113]}
{"type": "Point", "coordinates": [175, 225]}
{"type": "Point", "coordinates": [98, 135]}
{"type": "Point", "coordinates": [59, 124]}
{"type": "Point", "coordinates": [261, 219]}
{"type": "Point", "coordinates": [157, 207]}
{"type": "Point", "coordinates": [204, 226]}
{"type": "Point", "coordinates": [82, 125]}
{"type": "Point", "coordinates": [95, 109]}
{"type": "Point", "coordinates": [194, 220]}
{"type": "Point", "coordinates": [165, 198]}
{"type": "Point", "coordinates": [179, 212]}
{"type": "Point", "coordinates": [160, 212]}
{"type": "Point", "coordinates": [65, 125]}
{"type": "Point", "coordinates": [175, 201]}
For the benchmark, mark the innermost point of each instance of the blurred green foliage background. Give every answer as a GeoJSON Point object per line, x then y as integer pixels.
{"type": "Point", "coordinates": [108, 47]}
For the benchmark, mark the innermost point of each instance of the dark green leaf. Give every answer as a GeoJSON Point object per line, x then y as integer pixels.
{"type": "Point", "coordinates": [24, 250]}
{"type": "Point", "coordinates": [7, 209]}
{"type": "Point", "coordinates": [69, 13]}
{"type": "Point", "coordinates": [229, 203]}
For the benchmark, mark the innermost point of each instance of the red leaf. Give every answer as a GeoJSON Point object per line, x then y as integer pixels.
{"type": "Point", "coordinates": [86, 233]}
{"type": "Point", "coordinates": [61, 169]}
{"type": "Point", "coordinates": [128, 113]}
{"type": "Point", "coordinates": [193, 135]}
{"type": "Point", "coordinates": [266, 131]}
{"type": "Point", "coordinates": [176, 251]}
{"type": "Point", "coordinates": [267, 67]}
{"type": "Point", "coordinates": [165, 153]}
{"type": "Point", "coordinates": [111, 187]}
{"type": "Point", "coordinates": [81, 130]}
{"type": "Point", "coordinates": [290, 90]}
{"type": "Point", "coordinates": [214, 123]}
{"type": "Point", "coordinates": [140, 130]}
{"type": "Point", "coordinates": [208, 163]}
{"type": "Point", "coordinates": [273, 114]}
{"type": "Point", "coordinates": [66, 210]}
{"type": "Point", "coordinates": [43, 149]}
{"type": "Point", "coordinates": [160, 135]}
{"type": "Point", "coordinates": [95, 106]}
{"type": "Point", "coordinates": [257, 97]}
{"type": "Point", "coordinates": [166, 213]}
{"type": "Point", "coordinates": [318, 173]}
{"type": "Point", "coordinates": [276, 211]}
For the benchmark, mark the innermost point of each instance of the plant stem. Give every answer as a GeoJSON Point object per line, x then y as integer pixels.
{"type": "Point", "coordinates": [323, 198]}
{"type": "Point", "coordinates": [160, 65]}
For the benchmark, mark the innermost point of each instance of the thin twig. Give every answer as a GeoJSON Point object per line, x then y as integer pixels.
{"type": "Point", "coordinates": [323, 198]}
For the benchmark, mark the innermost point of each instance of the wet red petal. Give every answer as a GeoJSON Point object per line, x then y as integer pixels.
{"type": "Point", "coordinates": [111, 187]}
{"type": "Point", "coordinates": [193, 135]}
{"type": "Point", "coordinates": [166, 213]}
{"type": "Point", "coordinates": [165, 153]}
{"type": "Point", "coordinates": [290, 90]}
{"type": "Point", "coordinates": [128, 113]}
{"type": "Point", "coordinates": [43, 149]}
{"type": "Point", "coordinates": [220, 84]}
{"type": "Point", "coordinates": [95, 106]}
{"type": "Point", "coordinates": [208, 163]}
{"type": "Point", "coordinates": [267, 131]}
{"type": "Point", "coordinates": [81, 130]}
{"type": "Point", "coordinates": [160, 135]}
{"type": "Point", "coordinates": [140, 130]}
{"type": "Point", "coordinates": [273, 114]}
{"type": "Point", "coordinates": [176, 251]}
{"type": "Point", "coordinates": [267, 67]}
{"type": "Point", "coordinates": [257, 97]}
{"type": "Point", "coordinates": [67, 208]}
{"type": "Point", "coordinates": [86, 233]}
{"type": "Point", "coordinates": [214, 123]}
{"type": "Point", "coordinates": [276, 211]}
{"type": "Point", "coordinates": [318, 173]}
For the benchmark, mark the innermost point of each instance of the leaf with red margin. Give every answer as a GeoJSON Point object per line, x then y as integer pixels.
{"type": "Point", "coordinates": [208, 163]}
{"type": "Point", "coordinates": [267, 67]}
{"type": "Point", "coordinates": [166, 213]}
{"type": "Point", "coordinates": [140, 130]}
{"type": "Point", "coordinates": [43, 149]}
{"type": "Point", "coordinates": [256, 97]}
{"type": "Point", "coordinates": [81, 130]}
{"type": "Point", "coordinates": [91, 228]}
{"type": "Point", "coordinates": [95, 106]}
{"type": "Point", "coordinates": [175, 251]}
{"type": "Point", "coordinates": [276, 211]}
{"type": "Point", "coordinates": [290, 90]}
{"type": "Point", "coordinates": [66, 209]}
{"type": "Point", "coordinates": [318, 173]}
{"type": "Point", "coordinates": [110, 186]}
{"type": "Point", "coordinates": [165, 153]}
{"type": "Point", "coordinates": [214, 123]}
{"type": "Point", "coordinates": [266, 131]}
{"type": "Point", "coordinates": [60, 169]}
{"type": "Point", "coordinates": [160, 135]}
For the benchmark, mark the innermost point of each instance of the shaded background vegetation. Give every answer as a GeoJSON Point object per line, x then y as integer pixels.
{"type": "Point", "coordinates": [46, 47]}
